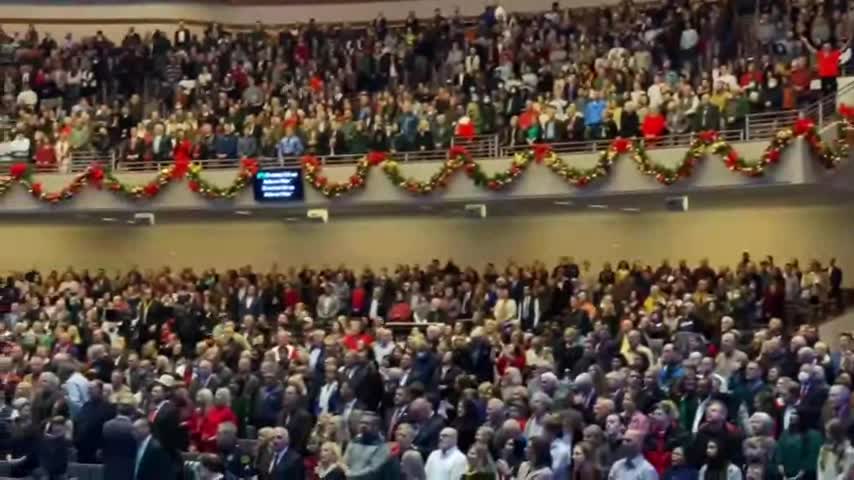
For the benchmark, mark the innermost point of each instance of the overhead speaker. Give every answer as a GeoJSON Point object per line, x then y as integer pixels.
{"type": "Point", "coordinates": [475, 210]}
{"type": "Point", "coordinates": [143, 218]}
{"type": "Point", "coordinates": [676, 204]}
{"type": "Point", "coordinates": [320, 215]}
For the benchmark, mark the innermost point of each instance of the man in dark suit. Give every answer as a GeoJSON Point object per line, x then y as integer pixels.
{"type": "Point", "coordinates": [165, 421]}
{"type": "Point", "coordinates": [151, 314]}
{"type": "Point", "coordinates": [151, 461]}
{"type": "Point", "coordinates": [296, 419]}
{"type": "Point", "coordinates": [529, 310]}
{"type": "Point", "coordinates": [446, 378]}
{"type": "Point", "coordinates": [119, 444]}
{"type": "Point", "coordinates": [285, 463]}
{"type": "Point", "coordinates": [398, 413]}
{"type": "Point", "coordinates": [427, 425]}
{"type": "Point", "coordinates": [203, 377]}
{"type": "Point", "coordinates": [161, 145]}
{"type": "Point", "coordinates": [89, 423]}
{"type": "Point", "coordinates": [708, 116]}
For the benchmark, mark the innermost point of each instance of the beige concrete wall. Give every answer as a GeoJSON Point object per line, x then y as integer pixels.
{"type": "Point", "coordinates": [720, 234]}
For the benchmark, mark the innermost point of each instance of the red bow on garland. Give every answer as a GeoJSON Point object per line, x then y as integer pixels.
{"type": "Point", "coordinates": [376, 158]}
{"type": "Point", "coordinates": [250, 165]}
{"type": "Point", "coordinates": [708, 136]}
{"type": "Point", "coordinates": [458, 150]}
{"type": "Point", "coordinates": [310, 161]}
{"type": "Point", "coordinates": [18, 170]}
{"type": "Point", "coordinates": [803, 126]}
{"type": "Point", "coordinates": [96, 174]}
{"type": "Point", "coordinates": [621, 145]}
{"type": "Point", "coordinates": [540, 151]}
{"type": "Point", "coordinates": [36, 189]}
{"type": "Point", "coordinates": [846, 111]}
{"type": "Point", "coordinates": [151, 190]}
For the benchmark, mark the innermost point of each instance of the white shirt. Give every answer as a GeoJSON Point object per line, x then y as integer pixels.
{"type": "Point", "coordinates": [313, 356]}
{"type": "Point", "coordinates": [382, 351]}
{"type": "Point", "coordinates": [326, 392]}
{"type": "Point", "coordinates": [447, 465]}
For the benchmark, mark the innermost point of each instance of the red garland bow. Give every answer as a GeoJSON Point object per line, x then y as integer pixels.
{"type": "Point", "coordinates": [846, 111]}
{"type": "Point", "coordinates": [151, 190]}
{"type": "Point", "coordinates": [458, 151]}
{"type": "Point", "coordinates": [708, 136]}
{"type": "Point", "coordinates": [376, 158]}
{"type": "Point", "coordinates": [320, 181]}
{"type": "Point", "coordinates": [180, 168]}
{"type": "Point", "coordinates": [96, 174]}
{"type": "Point", "coordinates": [36, 189]}
{"type": "Point", "coordinates": [803, 126]}
{"type": "Point", "coordinates": [355, 181]}
{"type": "Point", "coordinates": [310, 161]}
{"type": "Point", "coordinates": [732, 159]}
{"type": "Point", "coordinates": [621, 145]}
{"type": "Point", "coordinates": [18, 170]}
{"type": "Point", "coordinates": [250, 165]}
{"type": "Point", "coordinates": [540, 151]}
{"type": "Point", "coordinates": [773, 156]}
{"type": "Point", "coordinates": [194, 186]}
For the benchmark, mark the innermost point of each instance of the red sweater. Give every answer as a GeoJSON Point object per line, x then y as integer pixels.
{"type": "Point", "coordinates": [209, 424]}
{"type": "Point", "coordinates": [653, 125]}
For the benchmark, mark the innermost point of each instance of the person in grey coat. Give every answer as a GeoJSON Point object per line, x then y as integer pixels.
{"type": "Point", "coordinates": [368, 456]}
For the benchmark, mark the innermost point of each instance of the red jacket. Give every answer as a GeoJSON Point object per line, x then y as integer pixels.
{"type": "Point", "coordinates": [209, 424]}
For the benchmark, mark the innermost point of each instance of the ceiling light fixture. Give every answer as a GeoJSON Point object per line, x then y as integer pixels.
{"type": "Point", "coordinates": [598, 206]}
{"type": "Point", "coordinates": [564, 203]}
{"type": "Point", "coordinates": [108, 219]}
{"type": "Point", "coordinates": [631, 209]}
{"type": "Point", "coordinates": [242, 212]}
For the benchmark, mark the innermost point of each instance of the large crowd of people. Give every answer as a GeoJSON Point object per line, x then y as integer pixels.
{"type": "Point", "coordinates": [627, 70]}
{"type": "Point", "coordinates": [434, 371]}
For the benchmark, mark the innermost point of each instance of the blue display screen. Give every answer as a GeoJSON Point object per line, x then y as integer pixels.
{"type": "Point", "coordinates": [279, 185]}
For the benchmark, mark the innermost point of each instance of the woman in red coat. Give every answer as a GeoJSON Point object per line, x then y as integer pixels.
{"type": "Point", "coordinates": [654, 125]}
{"type": "Point", "coordinates": [217, 414]}
{"type": "Point", "coordinates": [184, 149]}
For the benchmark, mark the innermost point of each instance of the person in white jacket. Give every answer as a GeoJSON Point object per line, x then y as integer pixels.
{"type": "Point", "coordinates": [836, 456]}
{"type": "Point", "coordinates": [446, 462]}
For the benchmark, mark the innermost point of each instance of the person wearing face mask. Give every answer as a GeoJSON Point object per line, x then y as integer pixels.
{"type": "Point", "coordinates": [812, 396]}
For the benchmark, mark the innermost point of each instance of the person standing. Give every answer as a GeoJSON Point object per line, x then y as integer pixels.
{"type": "Point", "coordinates": [446, 462]}
{"type": "Point", "coordinates": [118, 453]}
{"type": "Point", "coordinates": [285, 462]}
{"type": "Point", "coordinates": [152, 461]}
{"type": "Point", "coordinates": [634, 466]}
{"type": "Point", "coordinates": [89, 423]}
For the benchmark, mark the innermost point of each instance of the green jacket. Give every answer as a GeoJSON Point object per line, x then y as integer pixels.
{"type": "Point", "coordinates": [797, 452]}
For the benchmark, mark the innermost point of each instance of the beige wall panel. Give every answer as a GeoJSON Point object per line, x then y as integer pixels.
{"type": "Point", "coordinates": [721, 235]}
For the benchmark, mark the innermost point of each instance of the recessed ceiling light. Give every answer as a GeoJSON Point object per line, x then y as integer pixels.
{"type": "Point", "coordinates": [291, 219]}
{"type": "Point", "coordinates": [242, 212]}
{"type": "Point", "coordinates": [131, 222]}
{"type": "Point", "coordinates": [597, 206]}
{"type": "Point", "coordinates": [108, 219]}
{"type": "Point", "coordinates": [564, 203]}
{"type": "Point", "coordinates": [631, 209]}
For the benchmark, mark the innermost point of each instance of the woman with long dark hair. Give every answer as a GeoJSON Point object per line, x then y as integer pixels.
{"type": "Point", "coordinates": [717, 466]}
{"type": "Point", "coordinates": [538, 465]}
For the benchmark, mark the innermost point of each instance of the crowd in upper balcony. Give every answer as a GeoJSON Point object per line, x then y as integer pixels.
{"type": "Point", "coordinates": [630, 70]}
